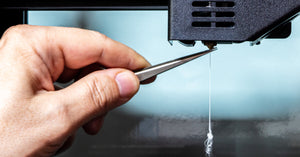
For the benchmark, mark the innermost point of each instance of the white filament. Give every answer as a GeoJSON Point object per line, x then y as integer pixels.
{"type": "Point", "coordinates": [209, 141]}
{"type": "Point", "coordinates": [209, 96]}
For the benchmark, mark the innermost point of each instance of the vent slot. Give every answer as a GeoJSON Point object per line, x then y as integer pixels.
{"type": "Point", "coordinates": [225, 4]}
{"type": "Point", "coordinates": [225, 14]}
{"type": "Point", "coordinates": [201, 24]}
{"type": "Point", "coordinates": [211, 14]}
{"type": "Point", "coordinates": [225, 24]}
{"type": "Point", "coordinates": [209, 4]}
{"type": "Point", "coordinates": [201, 14]}
{"type": "Point", "coordinates": [201, 4]}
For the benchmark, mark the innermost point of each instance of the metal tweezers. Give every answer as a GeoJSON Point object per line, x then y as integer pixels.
{"type": "Point", "coordinates": [152, 71]}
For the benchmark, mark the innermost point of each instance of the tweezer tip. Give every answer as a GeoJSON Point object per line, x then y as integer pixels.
{"type": "Point", "coordinates": [213, 49]}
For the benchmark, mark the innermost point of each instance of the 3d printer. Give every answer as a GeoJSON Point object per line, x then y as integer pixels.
{"type": "Point", "coordinates": [218, 21]}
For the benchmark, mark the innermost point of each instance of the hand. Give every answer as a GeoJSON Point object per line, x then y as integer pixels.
{"type": "Point", "coordinates": [35, 119]}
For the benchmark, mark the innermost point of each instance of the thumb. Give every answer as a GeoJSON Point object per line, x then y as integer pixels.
{"type": "Point", "coordinates": [97, 93]}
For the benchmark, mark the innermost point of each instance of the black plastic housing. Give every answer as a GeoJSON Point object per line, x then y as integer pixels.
{"type": "Point", "coordinates": [227, 21]}
{"type": "Point", "coordinates": [189, 20]}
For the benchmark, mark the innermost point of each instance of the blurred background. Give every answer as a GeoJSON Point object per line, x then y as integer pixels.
{"type": "Point", "coordinates": [255, 93]}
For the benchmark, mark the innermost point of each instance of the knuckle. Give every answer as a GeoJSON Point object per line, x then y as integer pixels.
{"type": "Point", "coordinates": [99, 35]}
{"type": "Point", "coordinates": [100, 93]}
{"type": "Point", "coordinates": [16, 31]}
{"type": "Point", "coordinates": [16, 37]}
{"type": "Point", "coordinates": [104, 39]}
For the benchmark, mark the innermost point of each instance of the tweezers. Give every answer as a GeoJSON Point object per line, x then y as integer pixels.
{"type": "Point", "coordinates": [152, 71]}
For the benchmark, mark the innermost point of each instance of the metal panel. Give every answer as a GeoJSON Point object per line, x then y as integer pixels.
{"type": "Point", "coordinates": [229, 20]}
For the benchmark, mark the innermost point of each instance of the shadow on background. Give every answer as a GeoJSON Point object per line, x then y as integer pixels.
{"type": "Point", "coordinates": [127, 135]}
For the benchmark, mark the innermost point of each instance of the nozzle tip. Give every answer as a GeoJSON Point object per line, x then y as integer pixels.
{"type": "Point", "coordinates": [210, 44]}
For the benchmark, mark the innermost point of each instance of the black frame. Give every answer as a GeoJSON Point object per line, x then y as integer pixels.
{"type": "Point", "coordinates": [13, 12]}
{"type": "Point", "coordinates": [85, 4]}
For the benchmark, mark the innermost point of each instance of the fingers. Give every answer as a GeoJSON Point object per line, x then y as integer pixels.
{"type": "Point", "coordinates": [95, 95]}
{"type": "Point", "coordinates": [67, 75]}
{"type": "Point", "coordinates": [94, 126]}
{"type": "Point", "coordinates": [73, 48]}
{"type": "Point", "coordinates": [70, 74]}
{"type": "Point", "coordinates": [83, 47]}
{"type": "Point", "coordinates": [66, 145]}
{"type": "Point", "coordinates": [76, 48]}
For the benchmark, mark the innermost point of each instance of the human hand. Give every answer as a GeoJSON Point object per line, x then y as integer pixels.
{"type": "Point", "coordinates": [35, 119]}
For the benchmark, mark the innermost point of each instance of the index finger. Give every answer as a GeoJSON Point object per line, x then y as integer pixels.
{"type": "Point", "coordinates": [83, 47]}
{"type": "Point", "coordinates": [75, 48]}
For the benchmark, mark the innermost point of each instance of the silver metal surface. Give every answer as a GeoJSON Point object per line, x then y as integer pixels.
{"type": "Point", "coordinates": [149, 72]}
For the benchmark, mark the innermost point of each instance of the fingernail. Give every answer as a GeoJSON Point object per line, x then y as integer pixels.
{"type": "Point", "coordinates": [127, 83]}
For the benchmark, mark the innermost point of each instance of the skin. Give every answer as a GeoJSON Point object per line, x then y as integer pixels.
{"type": "Point", "coordinates": [35, 119]}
